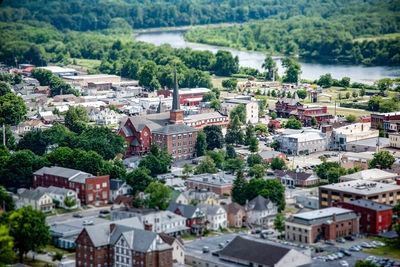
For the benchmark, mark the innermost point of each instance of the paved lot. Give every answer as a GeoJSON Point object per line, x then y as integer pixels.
{"type": "Point", "coordinates": [312, 159]}
{"type": "Point", "coordinates": [89, 214]}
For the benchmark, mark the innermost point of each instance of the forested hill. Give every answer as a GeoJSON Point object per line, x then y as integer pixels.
{"type": "Point", "coordinates": [84, 15]}
{"type": "Point", "coordinates": [368, 33]}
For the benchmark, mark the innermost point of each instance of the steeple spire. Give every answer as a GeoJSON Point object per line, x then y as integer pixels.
{"type": "Point", "coordinates": [175, 100]}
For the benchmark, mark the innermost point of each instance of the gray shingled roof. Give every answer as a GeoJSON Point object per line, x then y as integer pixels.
{"type": "Point", "coordinates": [174, 129]}
{"type": "Point", "coordinates": [71, 174]}
{"type": "Point", "coordinates": [53, 189]}
{"type": "Point", "coordinates": [209, 209]}
{"type": "Point", "coordinates": [259, 203]}
{"type": "Point", "coordinates": [186, 210]}
{"type": "Point", "coordinates": [246, 250]}
{"type": "Point", "coordinates": [370, 204]}
{"type": "Point", "coordinates": [32, 194]}
{"type": "Point", "coordinates": [267, 154]}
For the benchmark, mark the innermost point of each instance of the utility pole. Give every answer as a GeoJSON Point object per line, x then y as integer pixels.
{"type": "Point", "coordinates": [4, 135]}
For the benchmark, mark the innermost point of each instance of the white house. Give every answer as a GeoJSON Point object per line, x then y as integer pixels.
{"type": "Point", "coordinates": [59, 195]}
{"type": "Point", "coordinates": [178, 249]}
{"type": "Point", "coordinates": [261, 211]}
{"type": "Point", "coordinates": [106, 117]}
{"type": "Point", "coordinates": [118, 187]}
{"type": "Point", "coordinates": [251, 107]}
{"type": "Point", "coordinates": [216, 216]}
{"type": "Point", "coordinates": [37, 200]}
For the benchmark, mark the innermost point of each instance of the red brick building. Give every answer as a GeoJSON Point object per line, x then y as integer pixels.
{"type": "Point", "coordinates": [379, 118]}
{"type": "Point", "coordinates": [89, 188]}
{"type": "Point", "coordinates": [113, 244]}
{"type": "Point", "coordinates": [287, 106]}
{"type": "Point", "coordinates": [187, 96]}
{"type": "Point", "coordinates": [324, 224]}
{"type": "Point", "coordinates": [306, 114]}
{"type": "Point", "coordinates": [375, 217]}
{"type": "Point", "coordinates": [195, 218]}
{"type": "Point", "coordinates": [179, 139]}
{"type": "Point", "coordinates": [219, 183]}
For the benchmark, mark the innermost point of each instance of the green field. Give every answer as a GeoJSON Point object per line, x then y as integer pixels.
{"type": "Point", "coordinates": [381, 37]}
{"type": "Point", "coordinates": [87, 63]}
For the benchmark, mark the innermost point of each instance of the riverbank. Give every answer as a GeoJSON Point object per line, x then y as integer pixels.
{"type": "Point", "coordinates": [183, 28]}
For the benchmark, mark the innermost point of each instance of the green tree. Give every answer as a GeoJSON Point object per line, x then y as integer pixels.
{"type": "Point", "coordinates": [230, 83]}
{"type": "Point", "coordinates": [6, 246]}
{"type": "Point", "coordinates": [218, 158]}
{"type": "Point", "coordinates": [362, 91]}
{"type": "Point", "coordinates": [354, 94]}
{"type": "Point", "coordinates": [18, 169]}
{"type": "Point", "coordinates": [278, 164]}
{"type": "Point", "coordinates": [230, 152]}
{"type": "Point", "coordinates": [301, 94]}
{"type": "Point", "coordinates": [4, 89]}
{"type": "Point", "coordinates": [325, 80]}
{"type": "Point", "coordinates": [238, 189]}
{"type": "Point", "coordinates": [384, 84]}
{"type": "Point", "coordinates": [12, 109]}
{"type": "Point", "coordinates": [215, 104]}
{"type": "Point", "coordinates": [361, 263]}
{"type": "Point", "coordinates": [345, 82]}
{"type": "Point", "coordinates": [234, 133]}
{"type": "Point", "coordinates": [234, 165]}
{"type": "Point", "coordinates": [273, 115]}
{"type": "Point", "coordinates": [206, 166]}
{"type": "Point", "coordinates": [147, 73]}
{"type": "Point", "coordinates": [209, 96]}
{"type": "Point", "coordinates": [158, 195]}
{"type": "Point", "coordinates": [254, 159]}
{"type": "Point", "coordinates": [249, 134]}
{"type": "Point", "coordinates": [293, 123]}
{"type": "Point", "coordinates": [139, 179]}
{"type": "Point", "coordinates": [201, 144]}
{"type": "Point", "coordinates": [257, 171]}
{"type": "Point", "coordinates": [28, 228]}
{"type": "Point", "coordinates": [187, 169]}
{"type": "Point", "coordinates": [253, 146]}
{"type": "Point", "coordinates": [240, 111]}
{"type": "Point", "coordinates": [69, 202]}
{"type": "Point", "coordinates": [351, 118]}
{"type": "Point", "coordinates": [214, 137]}
{"type": "Point", "coordinates": [6, 200]}
{"type": "Point", "coordinates": [293, 70]}
{"type": "Point", "coordinates": [314, 121]}
{"type": "Point", "coordinates": [260, 128]}
{"type": "Point", "coordinates": [157, 161]}
{"type": "Point", "coordinates": [272, 189]}
{"type": "Point", "coordinates": [76, 119]}
{"type": "Point", "coordinates": [270, 67]}
{"type": "Point", "coordinates": [279, 222]}
{"type": "Point", "coordinates": [382, 160]}
{"type": "Point", "coordinates": [275, 145]}
{"type": "Point", "coordinates": [225, 64]}
{"type": "Point", "coordinates": [334, 174]}
{"type": "Point", "coordinates": [347, 95]}
{"type": "Point", "coordinates": [35, 141]}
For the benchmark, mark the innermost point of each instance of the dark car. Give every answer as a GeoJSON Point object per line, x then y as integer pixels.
{"type": "Point", "coordinates": [77, 215]}
{"type": "Point", "coordinates": [104, 211]}
{"type": "Point", "coordinates": [345, 252]}
{"type": "Point", "coordinates": [329, 242]}
{"type": "Point", "coordinates": [257, 231]}
{"type": "Point", "coordinates": [350, 237]}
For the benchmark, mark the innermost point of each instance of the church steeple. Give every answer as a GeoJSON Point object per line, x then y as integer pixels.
{"type": "Point", "coordinates": [176, 114]}
{"type": "Point", "coordinates": [175, 101]}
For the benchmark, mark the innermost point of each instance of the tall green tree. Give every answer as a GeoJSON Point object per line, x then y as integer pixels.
{"type": "Point", "coordinates": [225, 64]}
{"type": "Point", "coordinates": [4, 88]}
{"type": "Point", "coordinates": [139, 179]}
{"type": "Point", "coordinates": [238, 190]}
{"type": "Point", "coordinates": [270, 67]}
{"type": "Point", "coordinates": [147, 72]}
{"type": "Point", "coordinates": [12, 109]}
{"type": "Point", "coordinates": [253, 146]}
{"type": "Point", "coordinates": [6, 200]}
{"type": "Point", "coordinates": [201, 144]}
{"type": "Point", "coordinates": [230, 152]}
{"type": "Point", "coordinates": [157, 161]}
{"type": "Point", "coordinates": [214, 137]}
{"type": "Point", "coordinates": [382, 160]}
{"type": "Point", "coordinates": [249, 134]}
{"type": "Point", "coordinates": [206, 166]}
{"type": "Point", "coordinates": [293, 123]}
{"type": "Point", "coordinates": [6, 246]}
{"type": "Point", "coordinates": [230, 83]}
{"type": "Point", "coordinates": [384, 84]}
{"type": "Point", "coordinates": [234, 134]}
{"type": "Point", "coordinates": [279, 222]}
{"type": "Point", "coordinates": [272, 189]}
{"type": "Point", "coordinates": [278, 164]}
{"type": "Point", "coordinates": [240, 111]}
{"type": "Point", "coordinates": [76, 119]}
{"type": "Point", "coordinates": [28, 228]}
{"type": "Point", "coordinates": [159, 195]}
{"type": "Point", "coordinates": [292, 70]}
{"type": "Point", "coordinates": [257, 171]}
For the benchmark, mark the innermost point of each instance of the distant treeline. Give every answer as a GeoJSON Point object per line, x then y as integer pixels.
{"type": "Point", "coordinates": [90, 15]}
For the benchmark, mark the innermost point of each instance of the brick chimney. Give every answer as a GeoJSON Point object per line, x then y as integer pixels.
{"type": "Point", "coordinates": [98, 174]}
{"type": "Point", "coordinates": [112, 227]}
{"type": "Point", "coordinates": [148, 227]}
{"type": "Point", "coordinates": [398, 181]}
{"type": "Point", "coordinates": [334, 217]}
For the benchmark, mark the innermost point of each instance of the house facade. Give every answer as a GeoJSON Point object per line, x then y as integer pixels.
{"type": "Point", "coordinates": [296, 178]}
{"type": "Point", "coordinates": [195, 218]}
{"type": "Point", "coordinates": [41, 201]}
{"type": "Point", "coordinates": [261, 211]}
{"type": "Point", "coordinates": [89, 188]}
{"type": "Point", "coordinates": [251, 106]}
{"type": "Point", "coordinates": [64, 198]}
{"type": "Point", "coordinates": [216, 216]}
{"type": "Point", "coordinates": [235, 213]}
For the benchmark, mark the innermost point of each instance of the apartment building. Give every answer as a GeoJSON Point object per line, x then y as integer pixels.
{"type": "Point", "coordinates": [251, 106]}
{"type": "Point", "coordinates": [324, 224]}
{"type": "Point", "coordinates": [358, 189]}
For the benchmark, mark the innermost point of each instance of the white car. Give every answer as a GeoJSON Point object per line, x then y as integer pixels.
{"type": "Point", "coordinates": [344, 263]}
{"type": "Point", "coordinates": [86, 222]}
{"type": "Point", "coordinates": [370, 258]}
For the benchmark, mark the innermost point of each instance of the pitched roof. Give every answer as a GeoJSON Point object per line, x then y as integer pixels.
{"type": "Point", "coordinates": [33, 194]}
{"type": "Point", "coordinates": [371, 174]}
{"type": "Point", "coordinates": [115, 184]}
{"type": "Point", "coordinates": [293, 174]}
{"type": "Point", "coordinates": [243, 249]}
{"type": "Point", "coordinates": [170, 239]}
{"type": "Point", "coordinates": [71, 174]}
{"type": "Point", "coordinates": [209, 209]}
{"type": "Point", "coordinates": [53, 189]}
{"type": "Point", "coordinates": [267, 154]}
{"type": "Point", "coordinates": [259, 203]}
{"type": "Point", "coordinates": [186, 210]}
{"type": "Point", "coordinates": [174, 129]}
{"type": "Point", "coordinates": [233, 207]}
{"type": "Point", "coordinates": [370, 204]}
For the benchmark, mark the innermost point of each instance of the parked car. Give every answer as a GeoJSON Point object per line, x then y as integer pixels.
{"type": "Point", "coordinates": [341, 240]}
{"type": "Point", "coordinates": [370, 258]}
{"type": "Point", "coordinates": [257, 231]}
{"type": "Point", "coordinates": [330, 242]}
{"type": "Point", "coordinates": [330, 257]}
{"type": "Point", "coordinates": [101, 215]}
{"type": "Point", "coordinates": [345, 252]}
{"type": "Point", "coordinates": [86, 222]}
{"type": "Point", "coordinates": [354, 248]}
{"type": "Point", "coordinates": [268, 232]}
{"type": "Point", "coordinates": [350, 237]}
{"type": "Point", "coordinates": [365, 245]}
{"type": "Point", "coordinates": [378, 243]}
{"type": "Point", "coordinates": [77, 215]}
{"type": "Point", "coordinates": [344, 263]}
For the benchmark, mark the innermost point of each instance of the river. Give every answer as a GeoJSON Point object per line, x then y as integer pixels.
{"type": "Point", "coordinates": [310, 70]}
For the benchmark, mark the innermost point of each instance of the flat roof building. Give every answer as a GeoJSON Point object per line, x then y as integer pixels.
{"type": "Point", "coordinates": [372, 175]}
{"type": "Point", "coordinates": [358, 189]}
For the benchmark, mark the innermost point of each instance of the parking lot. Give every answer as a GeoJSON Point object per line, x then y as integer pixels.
{"type": "Point", "coordinates": [312, 159]}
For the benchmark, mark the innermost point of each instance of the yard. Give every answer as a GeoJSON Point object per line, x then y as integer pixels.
{"type": "Point", "coordinates": [391, 250]}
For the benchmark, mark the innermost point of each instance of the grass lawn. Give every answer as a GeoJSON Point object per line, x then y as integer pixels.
{"type": "Point", "coordinates": [52, 248]}
{"type": "Point", "coordinates": [88, 63]}
{"type": "Point", "coordinates": [390, 250]}
{"type": "Point", "coordinates": [290, 210]}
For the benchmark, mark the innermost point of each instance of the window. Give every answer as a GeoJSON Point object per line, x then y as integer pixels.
{"type": "Point", "coordinates": [179, 151]}
{"type": "Point", "coordinates": [97, 186]}
{"type": "Point", "coordinates": [174, 137]}
{"type": "Point", "coordinates": [104, 194]}
{"type": "Point", "coordinates": [179, 144]}
{"type": "Point", "coordinates": [90, 186]}
{"type": "Point", "coordinates": [185, 136]}
{"type": "Point", "coordinates": [185, 143]}
{"type": "Point", "coordinates": [179, 137]}
{"type": "Point", "coordinates": [190, 135]}
{"type": "Point", "coordinates": [90, 197]}
{"type": "Point", "coordinates": [104, 184]}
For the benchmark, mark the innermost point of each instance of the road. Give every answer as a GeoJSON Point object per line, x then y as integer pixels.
{"type": "Point", "coordinates": [88, 214]}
